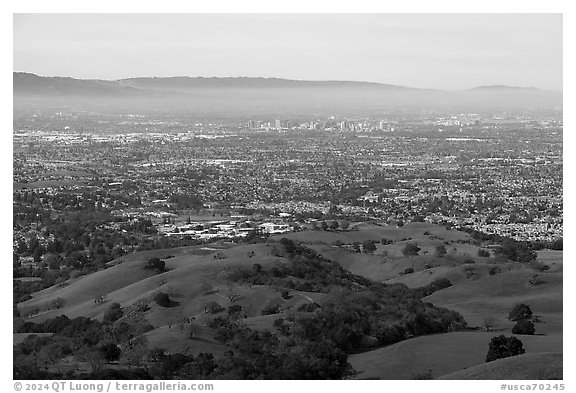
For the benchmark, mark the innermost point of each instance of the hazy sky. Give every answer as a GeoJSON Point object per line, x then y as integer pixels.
{"type": "Point", "coordinates": [449, 51]}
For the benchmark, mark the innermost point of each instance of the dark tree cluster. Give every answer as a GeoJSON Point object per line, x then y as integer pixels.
{"type": "Point", "coordinates": [410, 249]}
{"type": "Point", "coordinates": [357, 313]}
{"type": "Point", "coordinates": [483, 253]}
{"type": "Point", "coordinates": [516, 251]}
{"type": "Point", "coordinates": [82, 337]}
{"type": "Point", "coordinates": [520, 312]}
{"type": "Point", "coordinates": [501, 347]}
{"type": "Point", "coordinates": [436, 285]}
{"type": "Point", "coordinates": [525, 327]}
{"type": "Point", "coordinates": [113, 313]}
{"type": "Point", "coordinates": [156, 264]}
{"type": "Point", "coordinates": [163, 300]}
{"type": "Point", "coordinates": [369, 246]}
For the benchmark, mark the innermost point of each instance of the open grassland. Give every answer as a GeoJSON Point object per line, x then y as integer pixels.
{"type": "Point", "coordinates": [441, 354]}
{"type": "Point", "coordinates": [188, 277]}
{"type": "Point", "coordinates": [192, 281]}
{"type": "Point", "coordinates": [551, 258]}
{"type": "Point", "coordinates": [494, 297]}
{"type": "Point", "coordinates": [377, 232]}
{"type": "Point", "coordinates": [532, 366]}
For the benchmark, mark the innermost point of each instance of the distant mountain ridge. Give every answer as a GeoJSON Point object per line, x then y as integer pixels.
{"type": "Point", "coordinates": [24, 79]}
{"type": "Point", "coordinates": [32, 84]}
{"type": "Point", "coordinates": [503, 87]}
{"type": "Point", "coordinates": [259, 96]}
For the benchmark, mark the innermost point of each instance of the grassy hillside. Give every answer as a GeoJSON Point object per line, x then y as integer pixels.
{"type": "Point", "coordinates": [128, 282]}
{"type": "Point", "coordinates": [533, 366]}
{"type": "Point", "coordinates": [494, 296]}
{"type": "Point", "coordinates": [357, 311]}
{"type": "Point", "coordinates": [442, 354]}
{"type": "Point", "coordinates": [376, 231]}
{"type": "Point", "coordinates": [388, 262]}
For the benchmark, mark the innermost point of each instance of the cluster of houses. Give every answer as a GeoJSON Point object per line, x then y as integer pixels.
{"type": "Point", "coordinates": [207, 230]}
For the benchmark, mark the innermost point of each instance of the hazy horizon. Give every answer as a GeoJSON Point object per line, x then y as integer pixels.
{"type": "Point", "coordinates": [427, 51]}
{"type": "Point", "coordinates": [279, 78]}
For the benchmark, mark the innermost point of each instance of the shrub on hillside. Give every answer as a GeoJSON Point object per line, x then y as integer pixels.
{"type": "Point", "coordinates": [536, 280]}
{"type": "Point", "coordinates": [213, 307]}
{"type": "Point", "coordinates": [483, 253]}
{"type": "Point", "coordinates": [282, 327]}
{"type": "Point", "coordinates": [440, 250]}
{"type": "Point", "coordinates": [141, 306]}
{"type": "Point", "coordinates": [369, 246]}
{"type": "Point", "coordinates": [163, 299]}
{"type": "Point", "coordinates": [155, 264]}
{"type": "Point", "coordinates": [434, 286]}
{"type": "Point", "coordinates": [57, 303]}
{"type": "Point", "coordinates": [517, 251]}
{"type": "Point", "coordinates": [270, 309]}
{"type": "Point", "coordinates": [113, 313]}
{"type": "Point", "coordinates": [524, 326]}
{"type": "Point", "coordinates": [410, 249]}
{"type": "Point", "coordinates": [494, 270]}
{"type": "Point", "coordinates": [110, 351]}
{"type": "Point", "coordinates": [520, 311]}
{"type": "Point", "coordinates": [308, 307]}
{"type": "Point", "coordinates": [539, 266]}
{"type": "Point", "coordinates": [408, 270]}
{"type": "Point", "coordinates": [556, 244]}
{"type": "Point", "coordinates": [501, 347]}
{"type": "Point", "coordinates": [289, 245]}
{"type": "Point", "coordinates": [235, 310]}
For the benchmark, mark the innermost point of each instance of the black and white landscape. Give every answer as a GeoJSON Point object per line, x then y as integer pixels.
{"type": "Point", "coordinates": [384, 203]}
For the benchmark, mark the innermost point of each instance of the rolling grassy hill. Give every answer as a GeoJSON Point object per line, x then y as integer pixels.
{"type": "Point", "coordinates": [388, 261]}
{"type": "Point", "coordinates": [442, 354]}
{"type": "Point", "coordinates": [532, 366]}
{"type": "Point", "coordinates": [494, 296]}
{"type": "Point", "coordinates": [79, 292]}
{"type": "Point", "coordinates": [197, 276]}
{"type": "Point", "coordinates": [128, 282]}
{"type": "Point", "coordinates": [186, 281]}
{"type": "Point", "coordinates": [477, 295]}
